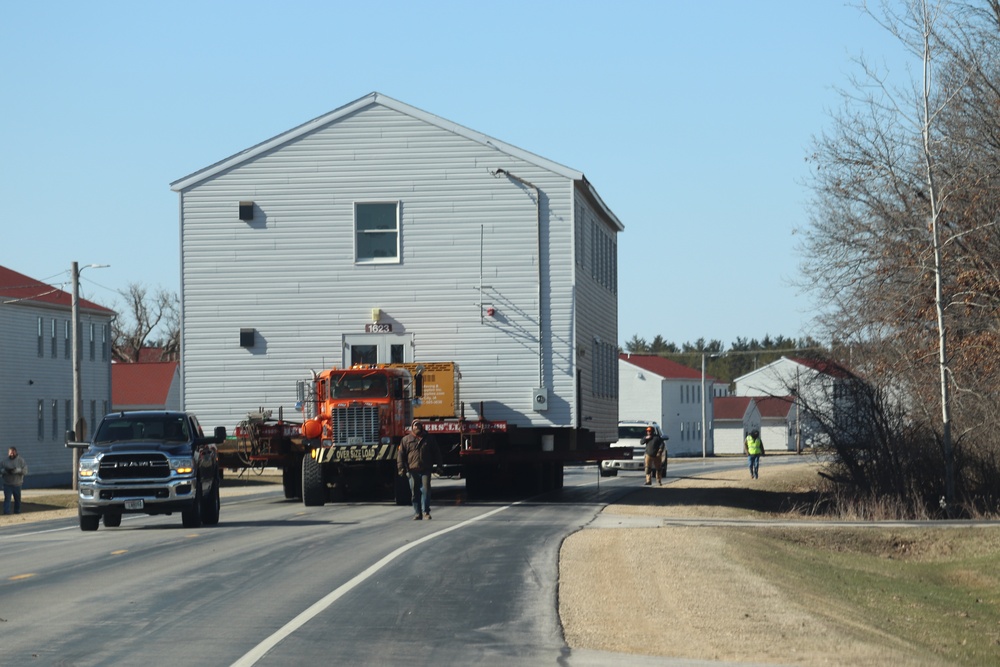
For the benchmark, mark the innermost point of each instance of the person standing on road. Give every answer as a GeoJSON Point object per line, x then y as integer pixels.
{"type": "Point", "coordinates": [13, 469]}
{"type": "Point", "coordinates": [655, 455]}
{"type": "Point", "coordinates": [417, 456]}
{"type": "Point", "coordinates": [753, 447]}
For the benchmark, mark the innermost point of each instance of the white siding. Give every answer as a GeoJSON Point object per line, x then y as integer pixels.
{"type": "Point", "coordinates": [290, 273]}
{"type": "Point", "coordinates": [29, 378]}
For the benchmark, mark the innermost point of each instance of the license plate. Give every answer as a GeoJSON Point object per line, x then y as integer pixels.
{"type": "Point", "coordinates": [133, 504]}
{"type": "Point", "coordinates": [355, 440]}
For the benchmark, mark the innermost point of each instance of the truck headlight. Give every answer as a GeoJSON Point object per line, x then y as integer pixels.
{"type": "Point", "coordinates": [182, 466]}
{"type": "Point", "coordinates": [88, 468]}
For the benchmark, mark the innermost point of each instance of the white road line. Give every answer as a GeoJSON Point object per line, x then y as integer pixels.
{"type": "Point", "coordinates": [259, 651]}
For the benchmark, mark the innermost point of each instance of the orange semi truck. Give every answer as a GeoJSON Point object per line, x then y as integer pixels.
{"type": "Point", "coordinates": [352, 420]}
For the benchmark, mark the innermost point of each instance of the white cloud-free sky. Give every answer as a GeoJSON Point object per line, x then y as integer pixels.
{"type": "Point", "coordinates": [692, 120]}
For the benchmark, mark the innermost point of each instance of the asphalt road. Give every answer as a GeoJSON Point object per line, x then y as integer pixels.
{"type": "Point", "coordinates": [277, 583]}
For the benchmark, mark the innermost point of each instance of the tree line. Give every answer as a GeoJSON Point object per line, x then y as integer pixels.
{"type": "Point", "coordinates": [728, 363]}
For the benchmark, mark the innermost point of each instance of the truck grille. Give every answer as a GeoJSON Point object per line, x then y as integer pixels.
{"type": "Point", "coordinates": [134, 466]}
{"type": "Point", "coordinates": [355, 425]}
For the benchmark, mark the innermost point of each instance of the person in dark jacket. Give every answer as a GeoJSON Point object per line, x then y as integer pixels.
{"type": "Point", "coordinates": [416, 457]}
{"type": "Point", "coordinates": [13, 469]}
{"type": "Point", "coordinates": [655, 454]}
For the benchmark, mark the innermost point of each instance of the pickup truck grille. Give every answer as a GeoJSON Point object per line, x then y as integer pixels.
{"type": "Point", "coordinates": [134, 466]}
{"type": "Point", "coordinates": [355, 425]}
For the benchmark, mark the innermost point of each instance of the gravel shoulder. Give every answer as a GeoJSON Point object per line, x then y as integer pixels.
{"type": "Point", "coordinates": [689, 592]}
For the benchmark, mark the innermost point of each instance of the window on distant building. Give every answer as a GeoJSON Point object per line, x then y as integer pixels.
{"type": "Point", "coordinates": [53, 337]}
{"type": "Point", "coordinates": [41, 346]}
{"type": "Point", "coordinates": [41, 419]}
{"type": "Point", "coordinates": [68, 410]}
{"type": "Point", "coordinates": [67, 340]}
{"type": "Point", "coordinates": [55, 419]}
{"type": "Point", "coordinates": [376, 232]}
{"type": "Point", "coordinates": [92, 355]}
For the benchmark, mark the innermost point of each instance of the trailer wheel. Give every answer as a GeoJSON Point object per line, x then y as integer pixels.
{"type": "Point", "coordinates": [291, 478]}
{"type": "Point", "coordinates": [403, 494]}
{"type": "Point", "coordinates": [313, 489]}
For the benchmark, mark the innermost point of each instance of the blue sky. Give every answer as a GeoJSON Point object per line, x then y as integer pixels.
{"type": "Point", "coordinates": [691, 119]}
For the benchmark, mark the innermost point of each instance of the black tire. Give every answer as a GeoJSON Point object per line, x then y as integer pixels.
{"type": "Point", "coordinates": [313, 489]}
{"type": "Point", "coordinates": [191, 517]}
{"type": "Point", "coordinates": [608, 472]}
{"type": "Point", "coordinates": [291, 478]}
{"type": "Point", "coordinates": [89, 522]}
{"type": "Point", "coordinates": [211, 505]}
{"type": "Point", "coordinates": [404, 496]}
{"type": "Point", "coordinates": [112, 519]}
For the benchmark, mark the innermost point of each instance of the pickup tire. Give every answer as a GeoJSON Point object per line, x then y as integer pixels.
{"type": "Point", "coordinates": [609, 472]}
{"type": "Point", "coordinates": [191, 517]}
{"type": "Point", "coordinates": [112, 519]}
{"type": "Point", "coordinates": [89, 522]}
{"type": "Point", "coordinates": [210, 505]}
{"type": "Point", "coordinates": [313, 488]}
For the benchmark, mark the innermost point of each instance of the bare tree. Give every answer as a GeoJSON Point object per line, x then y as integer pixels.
{"type": "Point", "coordinates": [143, 315]}
{"type": "Point", "coordinates": [902, 243]}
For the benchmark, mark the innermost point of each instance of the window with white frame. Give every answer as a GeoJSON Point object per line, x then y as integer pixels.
{"type": "Point", "coordinates": [376, 232]}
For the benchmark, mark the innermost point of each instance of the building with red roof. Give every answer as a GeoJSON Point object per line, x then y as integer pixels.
{"type": "Point", "coordinates": [653, 388]}
{"type": "Point", "coordinates": [146, 386]}
{"type": "Point", "coordinates": [36, 383]}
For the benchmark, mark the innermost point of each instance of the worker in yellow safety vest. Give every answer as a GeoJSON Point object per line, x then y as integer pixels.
{"type": "Point", "coordinates": [753, 447]}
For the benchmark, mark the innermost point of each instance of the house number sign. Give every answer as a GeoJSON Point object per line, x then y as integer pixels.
{"type": "Point", "coordinates": [378, 328]}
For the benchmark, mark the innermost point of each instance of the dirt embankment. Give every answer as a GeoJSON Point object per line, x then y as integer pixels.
{"type": "Point", "coordinates": [689, 592]}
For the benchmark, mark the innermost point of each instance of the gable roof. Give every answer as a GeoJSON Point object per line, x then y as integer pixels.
{"type": "Point", "coordinates": [730, 407]}
{"type": "Point", "coordinates": [142, 384]}
{"type": "Point", "coordinates": [825, 366]}
{"type": "Point", "coordinates": [771, 407]}
{"type": "Point", "coordinates": [376, 98]}
{"type": "Point", "coordinates": [665, 368]}
{"type": "Point", "coordinates": [16, 287]}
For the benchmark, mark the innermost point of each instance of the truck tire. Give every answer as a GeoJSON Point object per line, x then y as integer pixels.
{"type": "Point", "coordinates": [191, 517]}
{"type": "Point", "coordinates": [211, 505]}
{"type": "Point", "coordinates": [403, 494]}
{"type": "Point", "coordinates": [313, 488]}
{"type": "Point", "coordinates": [291, 477]}
{"type": "Point", "coordinates": [89, 522]}
{"type": "Point", "coordinates": [112, 520]}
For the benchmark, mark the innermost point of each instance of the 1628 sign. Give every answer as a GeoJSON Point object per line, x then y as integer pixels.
{"type": "Point", "coordinates": [378, 328]}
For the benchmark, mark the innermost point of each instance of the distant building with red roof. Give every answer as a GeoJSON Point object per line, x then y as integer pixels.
{"type": "Point", "coordinates": [36, 386]}
{"type": "Point", "coordinates": [146, 386]}
{"type": "Point", "coordinates": [653, 388]}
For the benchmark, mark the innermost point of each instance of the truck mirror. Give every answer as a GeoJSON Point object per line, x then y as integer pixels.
{"type": "Point", "coordinates": [220, 434]}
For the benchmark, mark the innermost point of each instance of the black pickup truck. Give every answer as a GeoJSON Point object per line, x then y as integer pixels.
{"type": "Point", "coordinates": [150, 462]}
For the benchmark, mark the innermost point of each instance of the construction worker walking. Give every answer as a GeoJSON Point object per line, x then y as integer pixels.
{"type": "Point", "coordinates": [655, 455]}
{"type": "Point", "coordinates": [753, 447]}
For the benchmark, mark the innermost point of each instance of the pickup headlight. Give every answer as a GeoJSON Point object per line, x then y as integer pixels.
{"type": "Point", "coordinates": [182, 466]}
{"type": "Point", "coordinates": [88, 468]}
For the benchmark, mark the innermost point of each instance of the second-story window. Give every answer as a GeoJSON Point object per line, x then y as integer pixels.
{"type": "Point", "coordinates": [52, 335]}
{"type": "Point", "coordinates": [376, 232]}
{"type": "Point", "coordinates": [92, 351]}
{"type": "Point", "coordinates": [41, 345]}
{"type": "Point", "coordinates": [67, 339]}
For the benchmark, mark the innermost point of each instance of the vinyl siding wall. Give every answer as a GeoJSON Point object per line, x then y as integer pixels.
{"type": "Point", "coordinates": [29, 378]}
{"type": "Point", "coordinates": [466, 238]}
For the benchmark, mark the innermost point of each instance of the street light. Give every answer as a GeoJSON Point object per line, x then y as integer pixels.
{"type": "Point", "coordinates": [78, 423]}
{"type": "Point", "coordinates": [704, 400]}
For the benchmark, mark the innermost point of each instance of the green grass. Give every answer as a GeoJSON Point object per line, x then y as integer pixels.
{"type": "Point", "coordinates": [935, 590]}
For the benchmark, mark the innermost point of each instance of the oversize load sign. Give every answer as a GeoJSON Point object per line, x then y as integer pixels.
{"type": "Point", "coordinates": [355, 453]}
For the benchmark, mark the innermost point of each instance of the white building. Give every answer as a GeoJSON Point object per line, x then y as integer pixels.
{"type": "Point", "coordinates": [657, 389]}
{"type": "Point", "coordinates": [820, 385]}
{"type": "Point", "coordinates": [36, 373]}
{"type": "Point", "coordinates": [379, 232]}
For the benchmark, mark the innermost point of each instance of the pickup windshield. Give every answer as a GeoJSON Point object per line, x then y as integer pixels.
{"type": "Point", "coordinates": [159, 428]}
